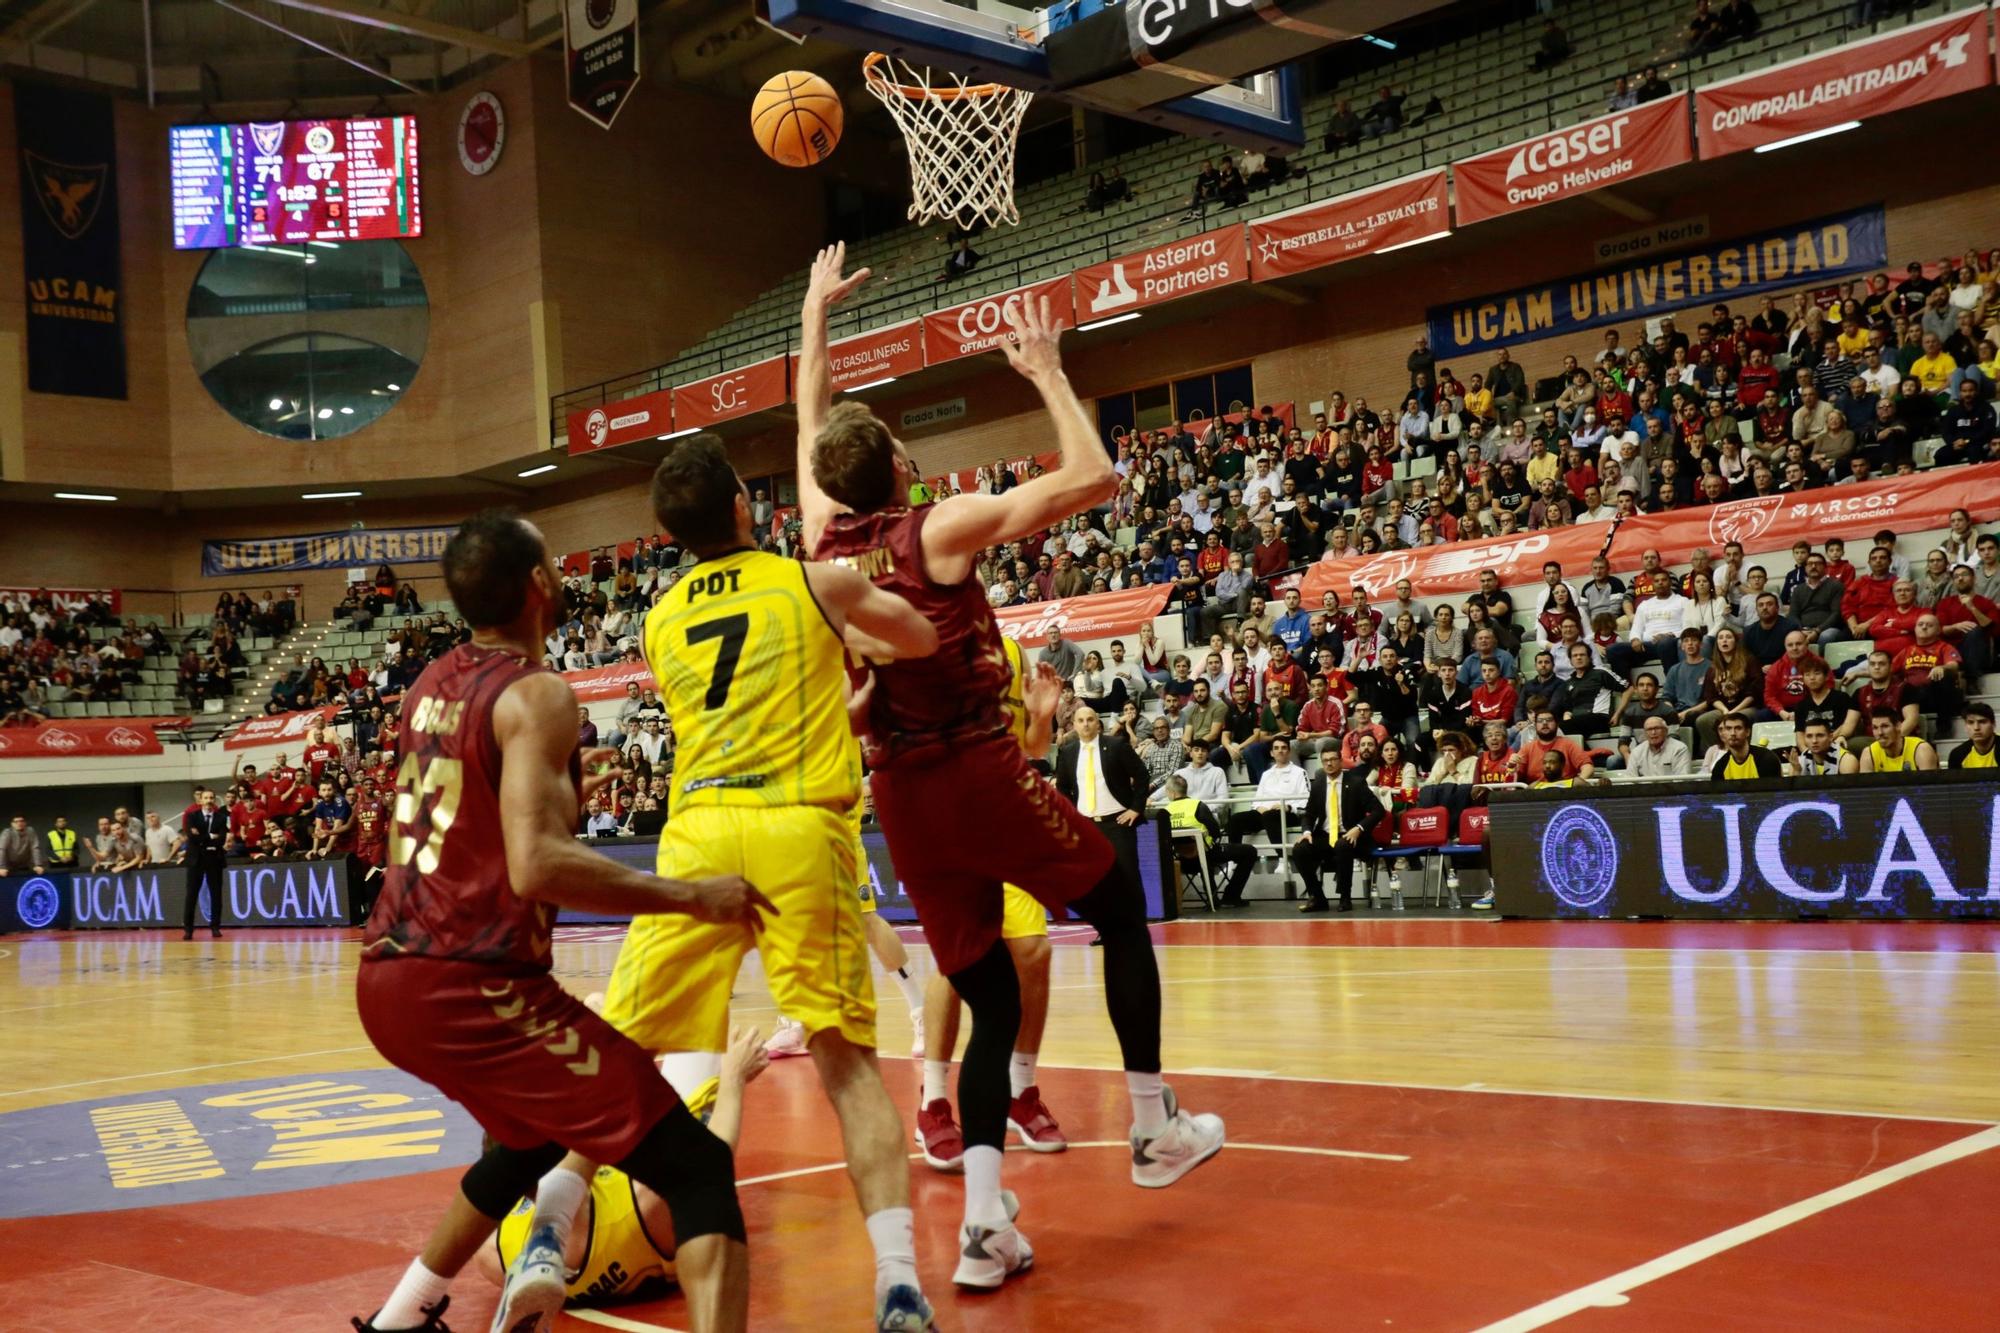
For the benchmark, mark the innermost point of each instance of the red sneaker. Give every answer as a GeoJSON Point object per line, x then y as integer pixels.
{"type": "Point", "coordinates": [1028, 1117]}
{"type": "Point", "coordinates": [939, 1136]}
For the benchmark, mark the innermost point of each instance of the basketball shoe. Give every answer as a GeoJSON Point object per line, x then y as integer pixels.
{"type": "Point", "coordinates": [1186, 1142]}
{"type": "Point", "coordinates": [989, 1255]}
{"type": "Point", "coordinates": [536, 1286]}
{"type": "Point", "coordinates": [940, 1137]}
{"type": "Point", "coordinates": [1028, 1116]}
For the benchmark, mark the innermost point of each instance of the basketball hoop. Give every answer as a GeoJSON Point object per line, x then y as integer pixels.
{"type": "Point", "coordinates": [960, 136]}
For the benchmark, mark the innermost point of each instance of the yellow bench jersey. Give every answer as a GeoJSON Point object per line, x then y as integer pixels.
{"type": "Point", "coordinates": [1016, 704]}
{"type": "Point", "coordinates": [753, 680]}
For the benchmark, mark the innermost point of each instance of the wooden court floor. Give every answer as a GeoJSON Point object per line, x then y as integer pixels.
{"type": "Point", "coordinates": [1434, 1124]}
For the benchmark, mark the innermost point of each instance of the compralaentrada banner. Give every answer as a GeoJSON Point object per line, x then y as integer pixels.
{"type": "Point", "coordinates": [1790, 256]}
{"type": "Point", "coordinates": [223, 557]}
{"type": "Point", "coordinates": [1880, 846]}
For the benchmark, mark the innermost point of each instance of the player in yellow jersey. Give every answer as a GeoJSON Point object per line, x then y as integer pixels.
{"type": "Point", "coordinates": [748, 653]}
{"type": "Point", "coordinates": [625, 1247]}
{"type": "Point", "coordinates": [1032, 695]}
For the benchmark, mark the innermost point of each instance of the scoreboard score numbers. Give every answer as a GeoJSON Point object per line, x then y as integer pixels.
{"type": "Point", "coordinates": [289, 182]}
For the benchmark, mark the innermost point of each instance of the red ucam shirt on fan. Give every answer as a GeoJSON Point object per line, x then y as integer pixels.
{"type": "Point", "coordinates": [284, 789]}
{"type": "Point", "coordinates": [1916, 662]}
{"type": "Point", "coordinates": [319, 757]}
{"type": "Point", "coordinates": [1896, 629]}
{"type": "Point", "coordinates": [247, 820]}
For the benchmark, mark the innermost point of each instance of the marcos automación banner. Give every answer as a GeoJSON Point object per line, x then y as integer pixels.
{"type": "Point", "coordinates": [1805, 252]}
{"type": "Point", "coordinates": [1860, 81]}
{"type": "Point", "coordinates": [223, 557]}
{"type": "Point", "coordinates": [1916, 503]}
{"type": "Point", "coordinates": [1100, 615]}
{"type": "Point", "coordinates": [1608, 150]}
{"type": "Point", "coordinates": [1402, 212]}
{"type": "Point", "coordinates": [1453, 569]}
{"type": "Point", "coordinates": [75, 738]}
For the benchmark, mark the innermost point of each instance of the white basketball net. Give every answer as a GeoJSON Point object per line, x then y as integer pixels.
{"type": "Point", "coordinates": [960, 136]}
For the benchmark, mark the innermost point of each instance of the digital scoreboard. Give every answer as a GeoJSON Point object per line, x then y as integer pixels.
{"type": "Point", "coordinates": [287, 182]}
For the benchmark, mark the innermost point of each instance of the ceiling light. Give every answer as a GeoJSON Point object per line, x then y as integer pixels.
{"type": "Point", "coordinates": [872, 384]}
{"type": "Point", "coordinates": [1107, 323]}
{"type": "Point", "coordinates": [347, 411]}
{"type": "Point", "coordinates": [537, 471]}
{"type": "Point", "coordinates": [329, 495]}
{"type": "Point", "coordinates": [675, 435]}
{"type": "Point", "coordinates": [1421, 240]}
{"type": "Point", "coordinates": [1808, 136]}
{"type": "Point", "coordinates": [82, 495]}
{"type": "Point", "coordinates": [277, 404]}
{"type": "Point", "coordinates": [324, 413]}
{"type": "Point", "coordinates": [393, 388]}
{"type": "Point", "coordinates": [1382, 42]}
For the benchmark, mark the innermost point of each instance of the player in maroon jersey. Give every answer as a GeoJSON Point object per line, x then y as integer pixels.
{"type": "Point", "coordinates": [371, 848]}
{"type": "Point", "coordinates": [454, 983]}
{"type": "Point", "coordinates": [961, 810]}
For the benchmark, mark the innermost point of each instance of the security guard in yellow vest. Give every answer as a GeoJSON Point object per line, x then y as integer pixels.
{"type": "Point", "coordinates": [1183, 811]}
{"type": "Point", "coordinates": [62, 845]}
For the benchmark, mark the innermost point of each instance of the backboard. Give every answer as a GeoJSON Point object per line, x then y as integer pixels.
{"type": "Point", "coordinates": [1219, 69]}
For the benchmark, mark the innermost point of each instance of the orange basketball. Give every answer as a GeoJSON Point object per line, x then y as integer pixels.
{"type": "Point", "coordinates": [797, 118]}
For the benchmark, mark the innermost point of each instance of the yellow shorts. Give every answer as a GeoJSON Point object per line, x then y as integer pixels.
{"type": "Point", "coordinates": [670, 988]}
{"type": "Point", "coordinates": [1021, 917]}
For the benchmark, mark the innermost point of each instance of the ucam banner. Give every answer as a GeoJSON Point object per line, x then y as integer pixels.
{"type": "Point", "coordinates": [1167, 272]}
{"type": "Point", "coordinates": [980, 326]}
{"type": "Point", "coordinates": [865, 359]}
{"type": "Point", "coordinates": [1607, 150]}
{"type": "Point", "coordinates": [278, 728]}
{"type": "Point", "coordinates": [70, 253]}
{"type": "Point", "coordinates": [1765, 523]}
{"type": "Point", "coordinates": [1859, 81]}
{"type": "Point", "coordinates": [1802, 254]}
{"type": "Point", "coordinates": [76, 738]}
{"type": "Point", "coordinates": [1453, 569]}
{"type": "Point", "coordinates": [606, 427]}
{"type": "Point", "coordinates": [1402, 212]}
{"type": "Point", "coordinates": [734, 393]}
{"type": "Point", "coordinates": [1097, 616]}
{"type": "Point", "coordinates": [225, 556]}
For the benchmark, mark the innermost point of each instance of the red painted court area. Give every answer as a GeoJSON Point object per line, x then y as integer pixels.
{"type": "Point", "coordinates": [1457, 1210]}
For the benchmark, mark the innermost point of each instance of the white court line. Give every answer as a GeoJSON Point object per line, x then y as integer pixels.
{"type": "Point", "coordinates": [1612, 1291]}
{"type": "Point", "coordinates": [142, 991]}
{"type": "Point", "coordinates": [186, 1069]}
{"type": "Point", "coordinates": [609, 1320]}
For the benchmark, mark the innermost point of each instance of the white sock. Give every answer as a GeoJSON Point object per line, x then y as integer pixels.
{"type": "Point", "coordinates": [982, 1186]}
{"type": "Point", "coordinates": [892, 1232]}
{"type": "Point", "coordinates": [1021, 1071]}
{"type": "Point", "coordinates": [419, 1290]}
{"type": "Point", "coordinates": [937, 1079]}
{"type": "Point", "coordinates": [1149, 1104]}
{"type": "Point", "coordinates": [913, 994]}
{"type": "Point", "coordinates": [557, 1197]}
{"type": "Point", "coordinates": [688, 1070]}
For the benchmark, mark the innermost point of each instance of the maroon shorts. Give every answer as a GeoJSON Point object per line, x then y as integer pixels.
{"type": "Point", "coordinates": [961, 826]}
{"type": "Point", "coordinates": [530, 1062]}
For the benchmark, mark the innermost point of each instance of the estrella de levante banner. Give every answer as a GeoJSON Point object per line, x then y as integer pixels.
{"type": "Point", "coordinates": [1791, 256]}
{"type": "Point", "coordinates": [223, 557]}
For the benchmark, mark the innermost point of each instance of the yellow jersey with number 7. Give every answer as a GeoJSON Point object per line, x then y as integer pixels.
{"type": "Point", "coordinates": [754, 682]}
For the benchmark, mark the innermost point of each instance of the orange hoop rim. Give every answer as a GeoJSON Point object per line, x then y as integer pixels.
{"type": "Point", "coordinates": [871, 70]}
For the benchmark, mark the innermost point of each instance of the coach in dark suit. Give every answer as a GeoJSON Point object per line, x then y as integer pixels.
{"type": "Point", "coordinates": [206, 829]}
{"type": "Point", "coordinates": [1113, 788]}
{"type": "Point", "coordinates": [1341, 850]}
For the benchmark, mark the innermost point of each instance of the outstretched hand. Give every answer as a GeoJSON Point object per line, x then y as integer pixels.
{"type": "Point", "coordinates": [600, 767]}
{"type": "Point", "coordinates": [1033, 352]}
{"type": "Point", "coordinates": [827, 286]}
{"type": "Point", "coordinates": [745, 1058]}
{"type": "Point", "coordinates": [1042, 690]}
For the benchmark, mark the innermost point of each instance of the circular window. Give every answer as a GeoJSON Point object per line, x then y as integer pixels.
{"type": "Point", "coordinates": [308, 342]}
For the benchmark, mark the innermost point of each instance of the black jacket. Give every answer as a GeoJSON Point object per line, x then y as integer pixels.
{"type": "Point", "coordinates": [1358, 808]}
{"type": "Point", "coordinates": [1124, 772]}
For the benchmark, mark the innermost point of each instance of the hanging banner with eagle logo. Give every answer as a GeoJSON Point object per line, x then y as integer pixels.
{"type": "Point", "coordinates": [69, 241]}
{"type": "Point", "coordinates": [601, 55]}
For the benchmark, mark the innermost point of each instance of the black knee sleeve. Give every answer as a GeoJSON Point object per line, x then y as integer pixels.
{"type": "Point", "coordinates": [499, 1179]}
{"type": "Point", "coordinates": [694, 1171]}
{"type": "Point", "coordinates": [992, 990]}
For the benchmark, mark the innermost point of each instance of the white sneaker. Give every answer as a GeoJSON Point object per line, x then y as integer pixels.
{"type": "Point", "coordinates": [917, 1042]}
{"type": "Point", "coordinates": [1483, 903]}
{"type": "Point", "coordinates": [1186, 1142]}
{"type": "Point", "coordinates": [989, 1255]}
{"type": "Point", "coordinates": [787, 1039]}
{"type": "Point", "coordinates": [535, 1289]}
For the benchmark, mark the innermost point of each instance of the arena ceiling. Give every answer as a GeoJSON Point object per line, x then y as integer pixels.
{"type": "Point", "coordinates": [217, 52]}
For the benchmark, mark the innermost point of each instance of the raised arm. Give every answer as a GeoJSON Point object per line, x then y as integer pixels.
{"type": "Point", "coordinates": [535, 725]}
{"type": "Point", "coordinates": [879, 625]}
{"type": "Point", "coordinates": [1040, 693]}
{"type": "Point", "coordinates": [825, 289]}
{"type": "Point", "coordinates": [966, 524]}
